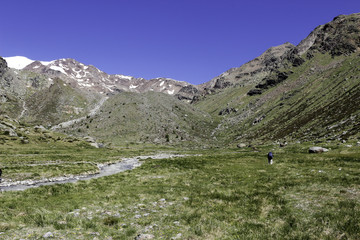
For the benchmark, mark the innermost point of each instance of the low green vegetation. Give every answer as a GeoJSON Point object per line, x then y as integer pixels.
{"type": "Point", "coordinates": [220, 194]}
{"type": "Point", "coordinates": [151, 117]}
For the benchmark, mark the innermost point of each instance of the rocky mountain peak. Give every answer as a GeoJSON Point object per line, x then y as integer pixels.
{"type": "Point", "coordinates": [252, 71]}
{"type": "Point", "coordinates": [90, 78]}
{"type": "Point", "coordinates": [338, 37]}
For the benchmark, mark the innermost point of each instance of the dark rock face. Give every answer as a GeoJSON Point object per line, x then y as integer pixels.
{"type": "Point", "coordinates": [339, 37]}
{"type": "Point", "coordinates": [268, 82]}
{"type": "Point", "coordinates": [187, 93]}
{"type": "Point", "coordinates": [294, 58]}
{"type": "Point", "coordinates": [3, 66]}
{"type": "Point", "coordinates": [221, 83]}
{"type": "Point", "coordinates": [272, 81]}
{"type": "Point", "coordinates": [253, 92]}
{"type": "Point", "coordinates": [227, 111]}
{"type": "Point", "coordinates": [189, 89]}
{"type": "Point", "coordinates": [182, 97]}
{"type": "Point", "coordinates": [258, 119]}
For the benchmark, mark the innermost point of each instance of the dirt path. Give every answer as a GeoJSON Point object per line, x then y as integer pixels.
{"type": "Point", "coordinates": [104, 170]}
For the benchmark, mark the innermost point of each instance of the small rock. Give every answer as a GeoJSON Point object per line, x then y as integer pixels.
{"type": "Point", "coordinates": [10, 132]}
{"type": "Point", "coordinates": [349, 146]}
{"type": "Point", "coordinates": [144, 236]}
{"type": "Point", "coordinates": [48, 235]}
{"type": "Point", "coordinates": [24, 141]}
{"type": "Point", "coordinates": [317, 150]}
{"type": "Point", "coordinates": [40, 129]}
{"type": "Point", "coordinates": [89, 139]}
{"type": "Point", "coordinates": [96, 145]}
{"type": "Point", "coordinates": [178, 236]}
{"type": "Point", "coordinates": [137, 216]}
{"type": "Point", "coordinates": [241, 145]}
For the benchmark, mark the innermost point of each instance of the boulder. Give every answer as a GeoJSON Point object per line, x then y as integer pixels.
{"type": "Point", "coordinates": [221, 83]}
{"type": "Point", "coordinates": [241, 145]}
{"type": "Point", "coordinates": [94, 144]}
{"type": "Point", "coordinates": [227, 111]}
{"type": "Point", "coordinates": [144, 236]}
{"type": "Point", "coordinates": [89, 139]}
{"type": "Point", "coordinates": [24, 140]}
{"type": "Point", "coordinates": [317, 150]}
{"type": "Point", "coordinates": [40, 129]}
{"type": "Point", "coordinates": [10, 132]}
{"type": "Point", "coordinates": [253, 92]}
{"type": "Point", "coordinates": [48, 235]}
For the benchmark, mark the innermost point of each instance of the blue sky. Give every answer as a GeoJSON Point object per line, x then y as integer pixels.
{"type": "Point", "coordinates": [187, 40]}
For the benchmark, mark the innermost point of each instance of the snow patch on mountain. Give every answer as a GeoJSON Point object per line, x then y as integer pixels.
{"type": "Point", "coordinates": [124, 77]}
{"type": "Point", "coordinates": [18, 62]}
{"type": "Point", "coordinates": [56, 68]}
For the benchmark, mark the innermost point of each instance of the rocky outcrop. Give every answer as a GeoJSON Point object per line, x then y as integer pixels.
{"type": "Point", "coordinates": [253, 71]}
{"type": "Point", "coordinates": [222, 83]}
{"type": "Point", "coordinates": [294, 58]}
{"type": "Point", "coordinates": [273, 80]}
{"type": "Point", "coordinates": [227, 111]}
{"type": "Point", "coordinates": [187, 93]}
{"type": "Point", "coordinates": [6, 130]}
{"type": "Point", "coordinates": [3, 66]}
{"type": "Point", "coordinates": [338, 37]}
{"type": "Point", "coordinates": [253, 92]}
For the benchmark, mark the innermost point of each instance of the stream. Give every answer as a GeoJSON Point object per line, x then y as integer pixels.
{"type": "Point", "coordinates": [105, 170]}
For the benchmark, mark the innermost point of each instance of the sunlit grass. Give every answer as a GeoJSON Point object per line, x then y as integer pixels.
{"type": "Point", "coordinates": [223, 194]}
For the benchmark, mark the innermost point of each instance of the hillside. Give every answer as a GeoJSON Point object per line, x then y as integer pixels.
{"type": "Point", "coordinates": [312, 93]}
{"type": "Point", "coordinates": [149, 117]}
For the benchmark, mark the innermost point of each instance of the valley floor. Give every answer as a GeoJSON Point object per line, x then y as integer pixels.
{"type": "Point", "coordinates": [220, 194]}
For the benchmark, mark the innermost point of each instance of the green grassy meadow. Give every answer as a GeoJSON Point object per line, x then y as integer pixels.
{"type": "Point", "coordinates": [222, 194]}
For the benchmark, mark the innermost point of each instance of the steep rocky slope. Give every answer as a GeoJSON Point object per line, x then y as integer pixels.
{"type": "Point", "coordinates": [313, 92]}
{"type": "Point", "coordinates": [253, 71]}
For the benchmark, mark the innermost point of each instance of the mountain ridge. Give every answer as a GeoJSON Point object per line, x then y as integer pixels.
{"type": "Point", "coordinates": [90, 78]}
{"type": "Point", "coordinates": [304, 92]}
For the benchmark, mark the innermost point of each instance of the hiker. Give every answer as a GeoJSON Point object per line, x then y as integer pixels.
{"type": "Point", "coordinates": [270, 158]}
{"type": "Point", "coordinates": [0, 174]}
